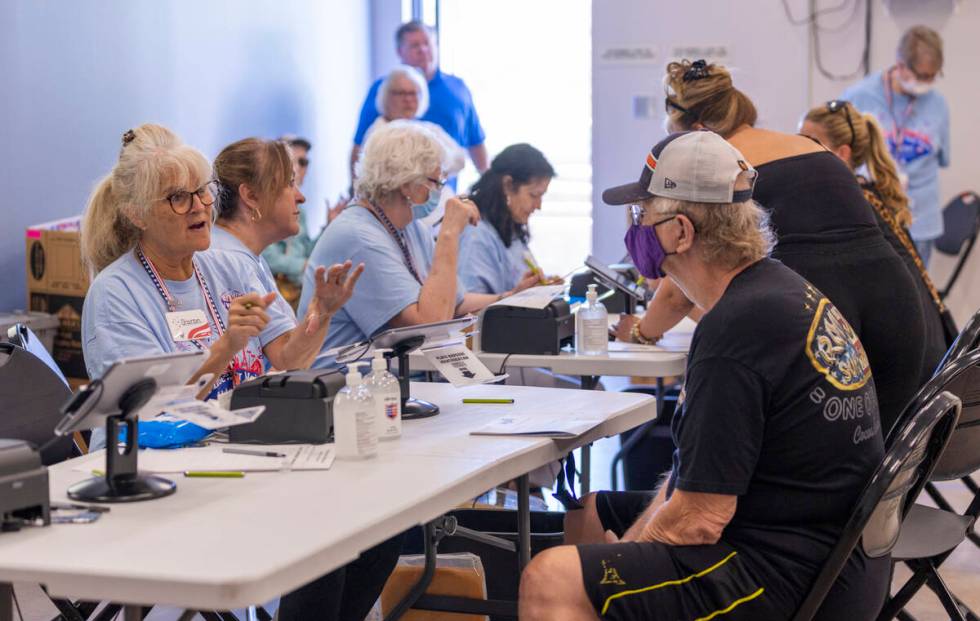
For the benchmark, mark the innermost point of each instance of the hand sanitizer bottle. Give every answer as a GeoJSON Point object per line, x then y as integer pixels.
{"type": "Point", "coordinates": [353, 418]}
{"type": "Point", "coordinates": [387, 395]}
{"type": "Point", "coordinates": [592, 326]}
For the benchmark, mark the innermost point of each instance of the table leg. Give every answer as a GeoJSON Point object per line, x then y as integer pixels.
{"type": "Point", "coordinates": [132, 612]}
{"type": "Point", "coordinates": [419, 588]}
{"type": "Point", "coordinates": [523, 522]}
{"type": "Point", "coordinates": [6, 601]}
{"type": "Point", "coordinates": [638, 435]}
{"type": "Point", "coordinates": [585, 481]}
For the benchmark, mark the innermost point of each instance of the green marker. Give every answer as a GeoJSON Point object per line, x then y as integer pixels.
{"type": "Point", "coordinates": [215, 474]}
{"type": "Point", "coordinates": [491, 401]}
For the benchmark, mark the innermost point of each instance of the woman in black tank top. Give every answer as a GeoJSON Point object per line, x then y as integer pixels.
{"type": "Point", "coordinates": [826, 232]}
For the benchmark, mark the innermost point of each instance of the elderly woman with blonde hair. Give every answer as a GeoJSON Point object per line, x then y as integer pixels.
{"type": "Point", "coordinates": [159, 289]}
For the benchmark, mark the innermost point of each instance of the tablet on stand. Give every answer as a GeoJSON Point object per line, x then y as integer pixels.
{"type": "Point", "coordinates": [403, 341]}
{"type": "Point", "coordinates": [115, 401]}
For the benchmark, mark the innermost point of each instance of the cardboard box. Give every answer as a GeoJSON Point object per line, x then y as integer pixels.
{"type": "Point", "coordinates": [56, 283]}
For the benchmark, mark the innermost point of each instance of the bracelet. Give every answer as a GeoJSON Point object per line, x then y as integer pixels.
{"type": "Point", "coordinates": [637, 337]}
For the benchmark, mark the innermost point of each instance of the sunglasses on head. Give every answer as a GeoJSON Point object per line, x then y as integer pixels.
{"type": "Point", "coordinates": [836, 105]}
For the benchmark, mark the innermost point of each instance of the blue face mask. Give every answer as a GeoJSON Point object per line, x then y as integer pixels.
{"type": "Point", "coordinates": [422, 210]}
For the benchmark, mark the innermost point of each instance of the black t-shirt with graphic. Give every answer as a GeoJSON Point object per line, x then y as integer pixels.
{"type": "Point", "coordinates": [779, 409]}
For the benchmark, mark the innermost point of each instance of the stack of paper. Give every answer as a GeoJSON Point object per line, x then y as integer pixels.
{"type": "Point", "coordinates": [559, 426]}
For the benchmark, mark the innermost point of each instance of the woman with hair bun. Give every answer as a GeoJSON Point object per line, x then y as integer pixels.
{"type": "Point", "coordinates": [857, 140]}
{"type": "Point", "coordinates": [826, 232]}
{"type": "Point", "coordinates": [493, 255]}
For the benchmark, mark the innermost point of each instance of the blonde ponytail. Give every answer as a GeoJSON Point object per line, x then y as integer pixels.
{"type": "Point", "coordinates": [885, 175]}
{"type": "Point", "coordinates": [152, 162]}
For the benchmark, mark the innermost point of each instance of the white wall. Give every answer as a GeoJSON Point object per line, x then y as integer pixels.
{"type": "Point", "coordinates": [773, 65]}
{"type": "Point", "coordinates": [76, 75]}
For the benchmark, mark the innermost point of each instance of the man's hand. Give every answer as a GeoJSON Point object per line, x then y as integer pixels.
{"type": "Point", "coordinates": [624, 329]}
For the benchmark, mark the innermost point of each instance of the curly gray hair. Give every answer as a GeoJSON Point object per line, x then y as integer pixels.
{"type": "Point", "coordinates": [398, 153]}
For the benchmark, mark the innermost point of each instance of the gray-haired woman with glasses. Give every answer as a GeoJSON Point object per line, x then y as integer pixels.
{"type": "Point", "coordinates": [158, 289]}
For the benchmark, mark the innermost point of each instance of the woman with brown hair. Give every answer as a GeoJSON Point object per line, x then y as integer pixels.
{"type": "Point", "coordinates": [258, 205]}
{"type": "Point", "coordinates": [857, 140]}
{"type": "Point", "coordinates": [825, 228]}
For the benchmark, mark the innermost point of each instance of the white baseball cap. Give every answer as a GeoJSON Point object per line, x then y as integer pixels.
{"type": "Point", "coordinates": [698, 166]}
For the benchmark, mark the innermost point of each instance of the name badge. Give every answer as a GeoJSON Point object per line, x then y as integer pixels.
{"type": "Point", "coordinates": [191, 325]}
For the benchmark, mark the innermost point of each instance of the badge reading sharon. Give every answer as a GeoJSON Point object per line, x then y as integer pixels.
{"type": "Point", "coordinates": [834, 349]}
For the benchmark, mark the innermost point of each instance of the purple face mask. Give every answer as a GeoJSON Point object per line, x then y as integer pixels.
{"type": "Point", "coordinates": [646, 250]}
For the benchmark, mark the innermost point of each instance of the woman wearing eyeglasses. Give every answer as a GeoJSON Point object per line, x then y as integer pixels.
{"type": "Point", "coordinates": [826, 232]}
{"type": "Point", "coordinates": [408, 278]}
{"type": "Point", "coordinates": [158, 289]}
{"type": "Point", "coordinates": [858, 141]}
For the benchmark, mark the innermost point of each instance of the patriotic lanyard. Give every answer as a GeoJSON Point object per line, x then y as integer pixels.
{"type": "Point", "coordinates": [897, 128]}
{"type": "Point", "coordinates": [169, 300]}
{"type": "Point", "coordinates": [399, 239]}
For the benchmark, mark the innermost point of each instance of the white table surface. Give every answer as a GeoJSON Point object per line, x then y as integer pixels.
{"type": "Point", "coordinates": [221, 544]}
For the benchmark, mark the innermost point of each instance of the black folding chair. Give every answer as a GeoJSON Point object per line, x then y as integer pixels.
{"type": "Point", "coordinates": [967, 341]}
{"type": "Point", "coordinates": [875, 522]}
{"type": "Point", "coordinates": [961, 223]}
{"type": "Point", "coordinates": [929, 535]}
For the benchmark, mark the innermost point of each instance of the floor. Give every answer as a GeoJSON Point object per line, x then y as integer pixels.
{"type": "Point", "coordinates": [961, 571]}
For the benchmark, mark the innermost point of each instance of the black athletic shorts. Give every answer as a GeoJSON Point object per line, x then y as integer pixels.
{"type": "Point", "coordinates": [654, 581]}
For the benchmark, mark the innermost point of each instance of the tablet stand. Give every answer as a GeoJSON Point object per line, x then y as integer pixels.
{"type": "Point", "coordinates": [411, 408]}
{"type": "Point", "coordinates": [122, 481]}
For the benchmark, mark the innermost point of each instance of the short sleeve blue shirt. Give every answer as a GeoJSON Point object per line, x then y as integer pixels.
{"type": "Point", "coordinates": [125, 316]}
{"type": "Point", "coordinates": [923, 124]}
{"type": "Point", "coordinates": [486, 265]}
{"type": "Point", "coordinates": [386, 287]}
{"type": "Point", "coordinates": [450, 107]}
{"type": "Point", "coordinates": [222, 239]}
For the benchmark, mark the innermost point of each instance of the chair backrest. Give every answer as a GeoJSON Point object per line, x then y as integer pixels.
{"type": "Point", "coordinates": [960, 377]}
{"type": "Point", "coordinates": [967, 340]}
{"type": "Point", "coordinates": [24, 337]}
{"type": "Point", "coordinates": [961, 221]}
{"type": "Point", "coordinates": [878, 514]}
{"type": "Point", "coordinates": [32, 395]}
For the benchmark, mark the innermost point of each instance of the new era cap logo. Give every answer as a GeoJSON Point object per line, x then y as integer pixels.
{"type": "Point", "coordinates": [668, 184]}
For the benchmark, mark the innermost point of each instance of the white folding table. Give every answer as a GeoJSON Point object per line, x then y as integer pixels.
{"type": "Point", "coordinates": [221, 544]}
{"type": "Point", "coordinates": [665, 359]}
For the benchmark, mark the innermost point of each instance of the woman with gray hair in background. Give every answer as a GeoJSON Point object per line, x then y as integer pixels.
{"type": "Point", "coordinates": [404, 95]}
{"type": "Point", "coordinates": [408, 278]}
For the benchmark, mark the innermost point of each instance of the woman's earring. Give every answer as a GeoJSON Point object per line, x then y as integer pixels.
{"type": "Point", "coordinates": [256, 215]}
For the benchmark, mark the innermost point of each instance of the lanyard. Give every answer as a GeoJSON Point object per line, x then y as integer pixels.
{"type": "Point", "coordinates": [169, 300]}
{"type": "Point", "coordinates": [398, 237]}
{"type": "Point", "coordinates": [897, 128]}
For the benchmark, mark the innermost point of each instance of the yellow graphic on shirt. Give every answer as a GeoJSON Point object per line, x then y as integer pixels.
{"type": "Point", "coordinates": [611, 576]}
{"type": "Point", "coordinates": [834, 349]}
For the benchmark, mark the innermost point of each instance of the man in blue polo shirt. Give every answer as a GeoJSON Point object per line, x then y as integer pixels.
{"type": "Point", "coordinates": [450, 103]}
{"type": "Point", "coordinates": [915, 119]}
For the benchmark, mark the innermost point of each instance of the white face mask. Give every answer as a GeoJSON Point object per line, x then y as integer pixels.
{"type": "Point", "coordinates": [915, 87]}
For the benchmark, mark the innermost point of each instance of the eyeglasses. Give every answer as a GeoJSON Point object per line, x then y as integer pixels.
{"type": "Point", "coordinates": [840, 104]}
{"type": "Point", "coordinates": [670, 103]}
{"type": "Point", "coordinates": [923, 77]}
{"type": "Point", "coordinates": [637, 213]}
{"type": "Point", "coordinates": [182, 201]}
{"type": "Point", "coordinates": [439, 182]}
{"type": "Point", "coordinates": [395, 93]}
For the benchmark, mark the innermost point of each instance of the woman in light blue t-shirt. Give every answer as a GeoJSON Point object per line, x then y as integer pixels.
{"type": "Point", "coordinates": [494, 256]}
{"type": "Point", "coordinates": [159, 289]}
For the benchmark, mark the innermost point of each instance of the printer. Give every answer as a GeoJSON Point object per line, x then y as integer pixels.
{"type": "Point", "coordinates": [516, 330]}
{"type": "Point", "coordinates": [23, 485]}
{"type": "Point", "coordinates": [298, 407]}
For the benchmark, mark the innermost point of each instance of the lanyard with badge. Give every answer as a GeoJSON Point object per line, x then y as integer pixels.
{"type": "Point", "coordinates": [398, 237]}
{"type": "Point", "coordinates": [897, 128]}
{"type": "Point", "coordinates": [190, 325]}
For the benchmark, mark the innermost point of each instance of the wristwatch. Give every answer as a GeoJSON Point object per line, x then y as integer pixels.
{"type": "Point", "coordinates": [637, 337]}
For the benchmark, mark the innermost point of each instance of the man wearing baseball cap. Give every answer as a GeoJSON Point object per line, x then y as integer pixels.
{"type": "Point", "coordinates": [767, 469]}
